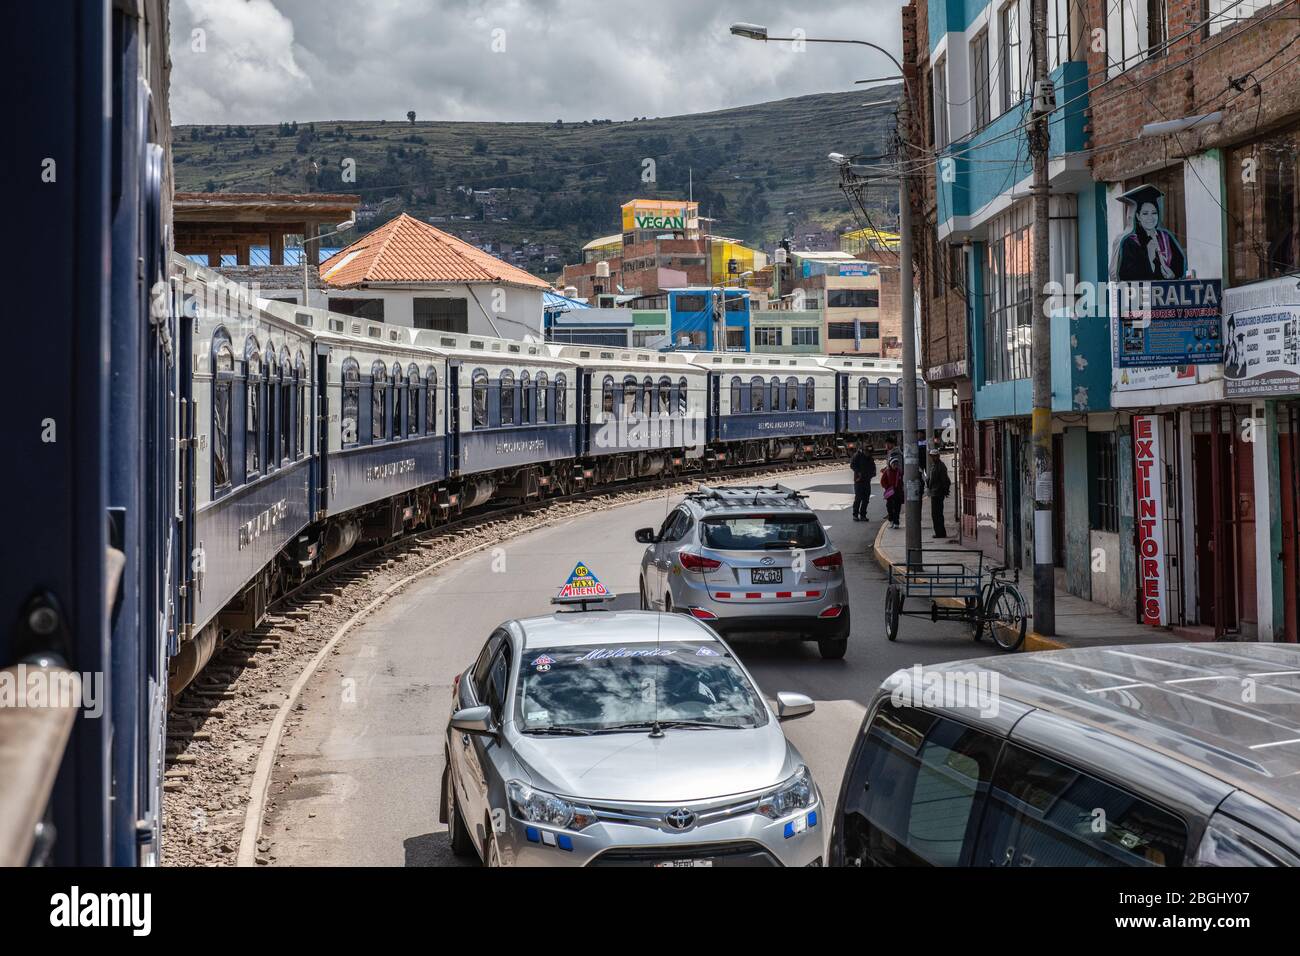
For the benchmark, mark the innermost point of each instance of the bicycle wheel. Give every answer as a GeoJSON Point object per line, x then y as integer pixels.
{"type": "Point", "coordinates": [1007, 616]}
{"type": "Point", "coordinates": [973, 617]}
{"type": "Point", "coordinates": [893, 605]}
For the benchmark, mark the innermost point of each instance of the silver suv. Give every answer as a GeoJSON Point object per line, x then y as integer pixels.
{"type": "Point", "coordinates": [748, 558]}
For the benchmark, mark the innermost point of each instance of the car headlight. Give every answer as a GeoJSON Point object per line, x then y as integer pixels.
{"type": "Point", "coordinates": [795, 794]}
{"type": "Point", "coordinates": [538, 806]}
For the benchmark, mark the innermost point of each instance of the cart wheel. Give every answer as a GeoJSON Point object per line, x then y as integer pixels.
{"type": "Point", "coordinates": [893, 606]}
{"type": "Point", "coordinates": [1008, 617]}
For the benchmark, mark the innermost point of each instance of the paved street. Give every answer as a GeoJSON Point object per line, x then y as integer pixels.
{"type": "Point", "coordinates": [364, 766]}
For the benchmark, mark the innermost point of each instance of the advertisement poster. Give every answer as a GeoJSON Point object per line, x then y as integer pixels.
{"type": "Point", "coordinates": [1261, 330]}
{"type": "Point", "coordinates": [1165, 323]}
{"type": "Point", "coordinates": [1150, 503]}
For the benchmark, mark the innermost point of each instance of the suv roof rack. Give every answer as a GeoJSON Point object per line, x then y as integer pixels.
{"type": "Point", "coordinates": [748, 495]}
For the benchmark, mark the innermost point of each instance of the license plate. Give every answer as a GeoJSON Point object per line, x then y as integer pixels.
{"type": "Point", "coordinates": [767, 575]}
{"type": "Point", "coordinates": [684, 863]}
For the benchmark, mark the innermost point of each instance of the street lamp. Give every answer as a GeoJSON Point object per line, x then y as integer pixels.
{"type": "Point", "coordinates": [911, 470]}
{"type": "Point", "coordinates": [339, 227]}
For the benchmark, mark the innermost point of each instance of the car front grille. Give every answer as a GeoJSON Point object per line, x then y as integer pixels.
{"type": "Point", "coordinates": [654, 817]}
{"type": "Point", "coordinates": [716, 854]}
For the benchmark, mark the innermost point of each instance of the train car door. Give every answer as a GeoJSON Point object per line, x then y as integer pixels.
{"type": "Point", "coordinates": [453, 418]}
{"type": "Point", "coordinates": [321, 470]}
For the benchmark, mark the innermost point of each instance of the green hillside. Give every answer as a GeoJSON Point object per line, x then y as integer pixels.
{"type": "Point", "coordinates": [759, 170]}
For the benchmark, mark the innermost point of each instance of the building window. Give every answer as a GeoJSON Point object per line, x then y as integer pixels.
{"type": "Point", "coordinates": [941, 102]}
{"type": "Point", "coordinates": [369, 309]}
{"type": "Point", "coordinates": [1136, 31]}
{"type": "Point", "coordinates": [1105, 499]}
{"type": "Point", "coordinates": [1009, 296]}
{"type": "Point", "coordinates": [802, 335]}
{"type": "Point", "coordinates": [980, 79]}
{"type": "Point", "coordinates": [852, 298]}
{"type": "Point", "coordinates": [690, 303]}
{"type": "Point", "coordinates": [444, 315]}
{"type": "Point", "coordinates": [841, 330]}
{"type": "Point", "coordinates": [869, 330]}
{"type": "Point", "coordinates": [1009, 74]}
{"type": "Point", "coordinates": [766, 336]}
{"type": "Point", "coordinates": [1264, 214]}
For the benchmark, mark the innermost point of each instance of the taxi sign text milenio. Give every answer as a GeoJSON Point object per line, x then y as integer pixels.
{"type": "Point", "coordinates": [583, 583]}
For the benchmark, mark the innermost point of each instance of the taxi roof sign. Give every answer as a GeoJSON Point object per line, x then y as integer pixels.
{"type": "Point", "coordinates": [583, 587]}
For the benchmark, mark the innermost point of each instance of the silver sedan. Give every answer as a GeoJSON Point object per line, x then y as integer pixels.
{"type": "Point", "coordinates": [595, 738]}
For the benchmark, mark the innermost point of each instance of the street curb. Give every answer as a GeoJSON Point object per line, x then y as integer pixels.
{"type": "Point", "coordinates": [1033, 640]}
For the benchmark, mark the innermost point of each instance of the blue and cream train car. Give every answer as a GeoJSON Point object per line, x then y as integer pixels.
{"type": "Point", "coordinates": [869, 398]}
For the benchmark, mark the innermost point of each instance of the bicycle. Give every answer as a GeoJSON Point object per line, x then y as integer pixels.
{"type": "Point", "coordinates": [1002, 609]}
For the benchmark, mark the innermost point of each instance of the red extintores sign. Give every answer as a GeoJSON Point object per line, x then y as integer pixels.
{"type": "Point", "coordinates": [1150, 501]}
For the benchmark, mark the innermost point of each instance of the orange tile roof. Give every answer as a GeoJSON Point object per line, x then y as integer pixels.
{"type": "Point", "coordinates": [407, 250]}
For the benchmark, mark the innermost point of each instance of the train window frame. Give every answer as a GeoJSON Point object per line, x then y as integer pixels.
{"type": "Point", "coordinates": [223, 384]}
{"type": "Point", "coordinates": [506, 391]}
{"type": "Point", "coordinates": [757, 394]}
{"type": "Point", "coordinates": [286, 417]}
{"type": "Point", "coordinates": [431, 401]}
{"type": "Point", "coordinates": [864, 393]}
{"type": "Point", "coordinates": [253, 409]}
{"type": "Point", "coordinates": [607, 395]}
{"type": "Point", "coordinates": [683, 396]}
{"type": "Point", "coordinates": [525, 406]}
{"type": "Point", "coordinates": [665, 396]}
{"type": "Point", "coordinates": [792, 390]}
{"type": "Point", "coordinates": [479, 413]}
{"type": "Point", "coordinates": [542, 383]}
{"type": "Point", "coordinates": [413, 402]}
{"type": "Point", "coordinates": [398, 383]}
{"type": "Point", "coordinates": [882, 393]}
{"type": "Point", "coordinates": [810, 394]}
{"type": "Point", "coordinates": [561, 404]}
{"type": "Point", "coordinates": [301, 416]}
{"type": "Point", "coordinates": [737, 395]}
{"type": "Point", "coordinates": [631, 397]}
{"type": "Point", "coordinates": [271, 409]}
{"type": "Point", "coordinates": [378, 402]}
{"type": "Point", "coordinates": [351, 367]}
{"type": "Point", "coordinates": [647, 397]}
{"type": "Point", "coordinates": [775, 384]}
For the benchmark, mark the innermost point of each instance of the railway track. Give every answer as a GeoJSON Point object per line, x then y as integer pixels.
{"type": "Point", "coordinates": [224, 728]}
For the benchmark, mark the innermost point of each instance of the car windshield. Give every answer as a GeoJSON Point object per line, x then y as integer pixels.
{"type": "Point", "coordinates": [611, 688]}
{"type": "Point", "coordinates": [762, 532]}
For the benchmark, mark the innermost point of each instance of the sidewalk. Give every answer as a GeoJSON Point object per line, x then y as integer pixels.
{"type": "Point", "coordinates": [1079, 623]}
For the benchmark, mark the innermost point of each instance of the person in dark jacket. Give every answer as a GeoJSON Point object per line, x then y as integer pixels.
{"type": "Point", "coordinates": [940, 486]}
{"type": "Point", "coordinates": [864, 469]}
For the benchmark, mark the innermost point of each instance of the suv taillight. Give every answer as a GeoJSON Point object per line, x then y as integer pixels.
{"type": "Point", "coordinates": [832, 560]}
{"type": "Point", "coordinates": [697, 562]}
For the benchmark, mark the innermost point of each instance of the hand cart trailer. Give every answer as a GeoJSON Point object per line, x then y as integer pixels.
{"type": "Point", "coordinates": [987, 602]}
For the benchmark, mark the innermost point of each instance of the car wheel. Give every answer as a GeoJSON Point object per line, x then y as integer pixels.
{"type": "Point", "coordinates": [833, 648]}
{"type": "Point", "coordinates": [645, 602]}
{"type": "Point", "coordinates": [461, 844]}
{"type": "Point", "coordinates": [492, 857]}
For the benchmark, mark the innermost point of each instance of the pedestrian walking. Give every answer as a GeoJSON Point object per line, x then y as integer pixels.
{"type": "Point", "coordinates": [864, 469]}
{"type": "Point", "coordinates": [940, 487]}
{"type": "Point", "coordinates": [891, 486]}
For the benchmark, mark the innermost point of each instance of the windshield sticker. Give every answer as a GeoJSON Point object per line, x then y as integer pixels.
{"type": "Point", "coordinates": [707, 652]}
{"type": "Point", "coordinates": [543, 663]}
{"type": "Point", "coordinates": [602, 653]}
{"type": "Point", "coordinates": [541, 716]}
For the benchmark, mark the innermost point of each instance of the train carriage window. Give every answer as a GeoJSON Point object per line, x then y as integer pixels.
{"type": "Point", "coordinates": [630, 396]}
{"type": "Point", "coordinates": [430, 422]}
{"type": "Point", "coordinates": [300, 385]}
{"type": "Point", "coordinates": [253, 410]}
{"type": "Point", "coordinates": [757, 394]}
{"type": "Point", "coordinates": [776, 404]}
{"type": "Point", "coordinates": [412, 400]}
{"type": "Point", "coordinates": [270, 399]}
{"type": "Point", "coordinates": [792, 393]}
{"type": "Point", "coordinates": [607, 395]}
{"type": "Point", "coordinates": [286, 406]}
{"type": "Point", "coordinates": [395, 425]}
{"type": "Point", "coordinates": [543, 399]}
{"type": "Point", "coordinates": [479, 391]}
{"type": "Point", "coordinates": [665, 396]}
{"type": "Point", "coordinates": [378, 401]}
{"type": "Point", "coordinates": [223, 374]}
{"type": "Point", "coordinates": [810, 395]}
{"type": "Point", "coordinates": [682, 397]}
{"type": "Point", "coordinates": [525, 398]}
{"type": "Point", "coordinates": [736, 400]}
{"type": "Point", "coordinates": [648, 396]}
{"type": "Point", "coordinates": [507, 397]}
{"type": "Point", "coordinates": [862, 393]}
{"type": "Point", "coordinates": [561, 399]}
{"type": "Point", "coordinates": [882, 393]}
{"type": "Point", "coordinates": [351, 417]}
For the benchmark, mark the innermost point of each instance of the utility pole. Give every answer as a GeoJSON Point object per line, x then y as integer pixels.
{"type": "Point", "coordinates": [907, 290]}
{"type": "Point", "coordinates": [1044, 612]}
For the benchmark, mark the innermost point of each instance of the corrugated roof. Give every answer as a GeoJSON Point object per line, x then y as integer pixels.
{"type": "Point", "coordinates": [407, 250]}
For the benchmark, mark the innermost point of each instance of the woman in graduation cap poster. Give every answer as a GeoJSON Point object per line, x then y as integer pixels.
{"type": "Point", "coordinates": [1147, 252]}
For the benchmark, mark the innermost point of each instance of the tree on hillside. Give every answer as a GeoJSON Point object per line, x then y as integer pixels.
{"type": "Point", "coordinates": [410, 116]}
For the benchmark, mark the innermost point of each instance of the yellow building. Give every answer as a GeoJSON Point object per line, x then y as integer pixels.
{"type": "Point", "coordinates": [869, 240]}
{"type": "Point", "coordinates": [648, 218]}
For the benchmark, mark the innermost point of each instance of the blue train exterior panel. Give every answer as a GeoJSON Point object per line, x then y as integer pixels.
{"type": "Point", "coordinates": [240, 533]}
{"type": "Point", "coordinates": [369, 473]}
{"type": "Point", "coordinates": [748, 426]}
{"type": "Point", "coordinates": [492, 448]}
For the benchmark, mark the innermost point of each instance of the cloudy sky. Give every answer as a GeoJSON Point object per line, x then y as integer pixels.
{"type": "Point", "coordinates": [263, 61]}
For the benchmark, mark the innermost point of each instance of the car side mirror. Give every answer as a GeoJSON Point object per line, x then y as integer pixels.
{"type": "Point", "coordinates": [474, 720]}
{"type": "Point", "coordinates": [645, 535]}
{"type": "Point", "coordinates": [790, 705]}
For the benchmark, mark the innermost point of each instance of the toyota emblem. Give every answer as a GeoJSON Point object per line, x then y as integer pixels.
{"type": "Point", "coordinates": [680, 819]}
